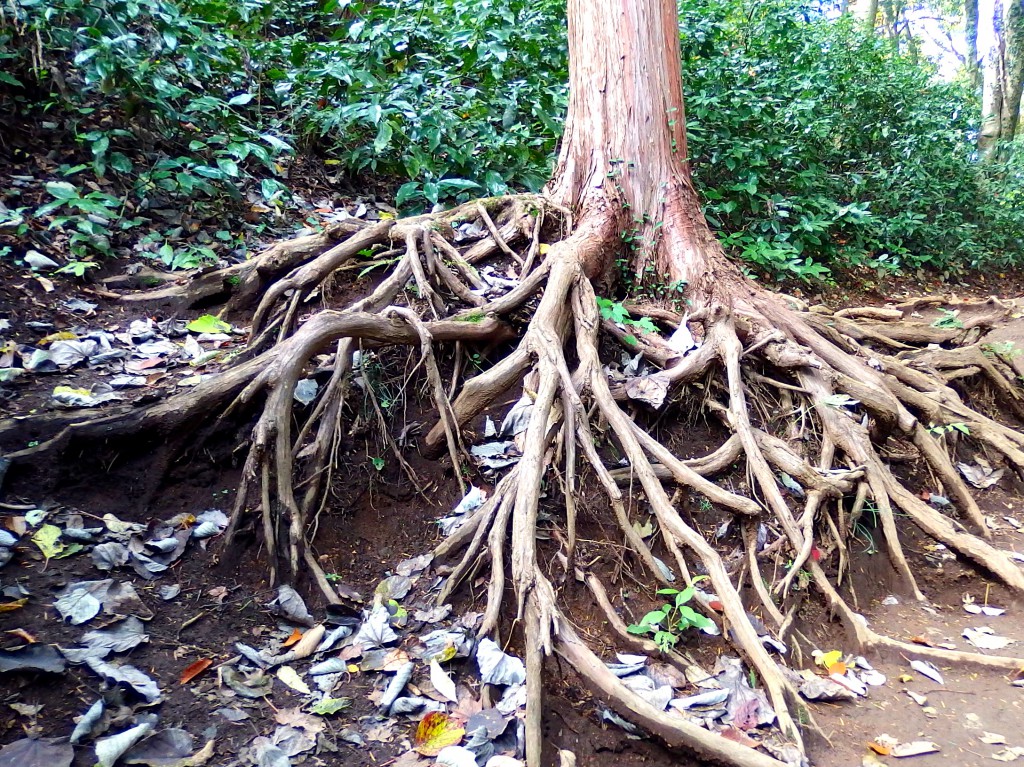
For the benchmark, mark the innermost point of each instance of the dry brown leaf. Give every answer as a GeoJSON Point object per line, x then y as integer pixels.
{"type": "Point", "coordinates": [394, 660]}
{"type": "Point", "coordinates": [309, 642]}
{"type": "Point", "coordinates": [194, 669]}
{"type": "Point", "coordinates": [22, 634]}
{"type": "Point", "coordinates": [295, 637]}
{"type": "Point", "coordinates": [879, 749]}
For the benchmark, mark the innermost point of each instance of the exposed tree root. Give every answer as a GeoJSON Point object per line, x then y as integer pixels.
{"type": "Point", "coordinates": [858, 382]}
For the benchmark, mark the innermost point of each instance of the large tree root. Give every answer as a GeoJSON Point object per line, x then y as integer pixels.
{"type": "Point", "coordinates": [855, 384]}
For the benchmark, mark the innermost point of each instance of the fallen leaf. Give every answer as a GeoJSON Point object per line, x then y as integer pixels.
{"type": "Point", "coordinates": [110, 749]}
{"type": "Point", "coordinates": [47, 538]}
{"type": "Point", "coordinates": [296, 635]}
{"type": "Point", "coordinates": [207, 323]}
{"type": "Point", "coordinates": [442, 682]}
{"type": "Point", "coordinates": [89, 720]}
{"type": "Point", "coordinates": [985, 638]}
{"type": "Point", "coordinates": [309, 643]}
{"type": "Point", "coordinates": [992, 739]}
{"type": "Point", "coordinates": [435, 732]}
{"type": "Point", "coordinates": [928, 669]}
{"type": "Point", "coordinates": [329, 706]}
{"type": "Point", "coordinates": [918, 699]}
{"type": "Point", "coordinates": [1009, 754]}
{"type": "Point", "coordinates": [37, 752]}
{"type": "Point", "coordinates": [129, 675]}
{"type": "Point", "coordinates": [194, 669]}
{"type": "Point", "coordinates": [879, 749]}
{"type": "Point", "coordinates": [915, 748]}
{"type": "Point", "coordinates": [497, 667]}
{"type": "Point", "coordinates": [7, 607]}
{"type": "Point", "coordinates": [34, 657]}
{"type": "Point", "coordinates": [837, 668]}
{"type": "Point", "coordinates": [829, 658]}
{"type": "Point", "coordinates": [22, 634]}
{"type": "Point", "coordinates": [168, 748]}
{"type": "Point", "coordinates": [290, 677]}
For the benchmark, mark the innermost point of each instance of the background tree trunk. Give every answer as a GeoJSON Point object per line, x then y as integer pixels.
{"type": "Point", "coordinates": [623, 153]}
{"type": "Point", "coordinates": [1003, 78]}
{"type": "Point", "coordinates": [871, 14]}
{"type": "Point", "coordinates": [1013, 68]}
{"type": "Point", "coordinates": [971, 40]}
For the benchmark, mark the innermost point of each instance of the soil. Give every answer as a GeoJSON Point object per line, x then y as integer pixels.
{"type": "Point", "coordinates": [375, 519]}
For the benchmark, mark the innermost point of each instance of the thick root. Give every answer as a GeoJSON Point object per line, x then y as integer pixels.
{"type": "Point", "coordinates": [857, 383]}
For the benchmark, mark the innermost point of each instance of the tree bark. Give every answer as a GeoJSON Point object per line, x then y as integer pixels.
{"type": "Point", "coordinates": [1013, 68]}
{"type": "Point", "coordinates": [623, 152]}
{"type": "Point", "coordinates": [871, 15]}
{"type": "Point", "coordinates": [971, 40]}
{"type": "Point", "coordinates": [1003, 79]}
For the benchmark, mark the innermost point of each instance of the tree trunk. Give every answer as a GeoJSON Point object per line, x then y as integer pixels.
{"type": "Point", "coordinates": [1013, 68]}
{"type": "Point", "coordinates": [871, 14]}
{"type": "Point", "coordinates": [623, 152]}
{"type": "Point", "coordinates": [971, 39]}
{"type": "Point", "coordinates": [1003, 79]}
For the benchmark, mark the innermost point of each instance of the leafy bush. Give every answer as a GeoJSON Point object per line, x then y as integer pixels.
{"type": "Point", "coordinates": [816, 144]}
{"type": "Point", "coordinates": [455, 97]}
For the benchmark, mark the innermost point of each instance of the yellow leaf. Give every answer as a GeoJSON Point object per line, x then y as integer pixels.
{"type": "Point", "coordinates": [291, 677]}
{"type": "Point", "coordinates": [436, 731]}
{"type": "Point", "coordinates": [352, 668]}
{"type": "Point", "coordinates": [332, 162]}
{"type": "Point", "coordinates": [544, 248]}
{"type": "Point", "coordinates": [446, 654]}
{"type": "Point", "coordinates": [47, 538]}
{"type": "Point", "coordinates": [7, 607]}
{"type": "Point", "coordinates": [63, 335]}
{"type": "Point", "coordinates": [829, 658]}
{"type": "Point", "coordinates": [385, 215]}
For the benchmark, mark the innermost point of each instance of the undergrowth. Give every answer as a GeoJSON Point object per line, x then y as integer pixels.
{"type": "Point", "coordinates": [815, 145]}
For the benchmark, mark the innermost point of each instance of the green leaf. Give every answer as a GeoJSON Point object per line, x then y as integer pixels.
{"type": "Point", "coordinates": [278, 144]}
{"type": "Point", "coordinates": [457, 183]}
{"type": "Point", "coordinates": [329, 706]}
{"type": "Point", "coordinates": [684, 596]}
{"type": "Point", "coordinates": [120, 163]}
{"type": "Point", "coordinates": [240, 100]}
{"type": "Point", "coordinates": [652, 618]}
{"type": "Point", "coordinates": [229, 166]}
{"type": "Point", "coordinates": [208, 324]}
{"type": "Point", "coordinates": [62, 190]}
{"type": "Point", "coordinates": [384, 133]}
{"type": "Point", "coordinates": [406, 192]}
{"type": "Point", "coordinates": [645, 324]}
{"type": "Point", "coordinates": [100, 146]}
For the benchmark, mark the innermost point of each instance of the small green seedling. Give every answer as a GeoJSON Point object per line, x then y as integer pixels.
{"type": "Point", "coordinates": [673, 618]}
